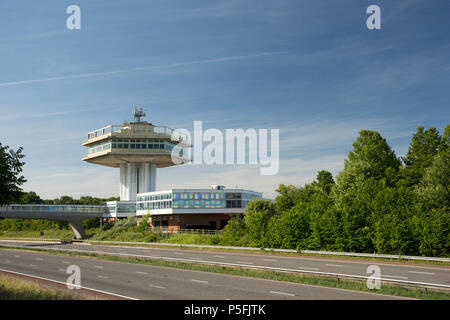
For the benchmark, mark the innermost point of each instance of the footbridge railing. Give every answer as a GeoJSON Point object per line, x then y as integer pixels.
{"type": "Point", "coordinates": [55, 208]}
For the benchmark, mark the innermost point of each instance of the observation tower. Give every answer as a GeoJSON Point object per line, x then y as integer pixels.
{"type": "Point", "coordinates": [138, 148]}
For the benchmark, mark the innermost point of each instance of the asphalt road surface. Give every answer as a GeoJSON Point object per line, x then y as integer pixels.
{"type": "Point", "coordinates": [136, 281]}
{"type": "Point", "coordinates": [432, 275]}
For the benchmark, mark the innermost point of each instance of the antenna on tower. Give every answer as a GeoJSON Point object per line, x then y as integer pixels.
{"type": "Point", "coordinates": [138, 113]}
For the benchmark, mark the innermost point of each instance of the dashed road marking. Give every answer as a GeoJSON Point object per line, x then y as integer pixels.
{"type": "Point", "coordinates": [98, 267]}
{"type": "Point", "coordinates": [388, 276]}
{"type": "Point", "coordinates": [421, 272]}
{"type": "Point", "coordinates": [335, 265]}
{"type": "Point", "coordinates": [283, 293]}
{"type": "Point", "coordinates": [306, 268]}
{"type": "Point", "coordinates": [200, 281]}
{"type": "Point", "coordinates": [154, 286]}
{"type": "Point", "coordinates": [33, 265]}
{"type": "Point", "coordinates": [141, 272]}
{"type": "Point", "coordinates": [219, 256]}
{"type": "Point", "coordinates": [270, 260]}
{"type": "Point", "coordinates": [244, 262]}
{"type": "Point", "coordinates": [39, 259]}
{"type": "Point", "coordinates": [103, 277]}
{"type": "Point", "coordinates": [65, 262]}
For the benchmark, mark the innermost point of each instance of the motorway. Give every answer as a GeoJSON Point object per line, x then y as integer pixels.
{"type": "Point", "coordinates": [150, 282]}
{"type": "Point", "coordinates": [136, 281]}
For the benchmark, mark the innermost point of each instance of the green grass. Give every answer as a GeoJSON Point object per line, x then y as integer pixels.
{"type": "Point", "coordinates": [12, 288]}
{"type": "Point", "coordinates": [395, 290]}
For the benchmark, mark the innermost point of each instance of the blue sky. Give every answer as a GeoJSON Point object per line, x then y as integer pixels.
{"type": "Point", "coordinates": [309, 68]}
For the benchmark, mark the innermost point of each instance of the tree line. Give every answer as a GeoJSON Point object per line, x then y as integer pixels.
{"type": "Point", "coordinates": [378, 203]}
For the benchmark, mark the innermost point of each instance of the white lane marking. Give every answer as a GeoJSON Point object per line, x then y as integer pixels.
{"type": "Point", "coordinates": [140, 272]}
{"type": "Point", "coordinates": [244, 262]}
{"type": "Point", "coordinates": [301, 268]}
{"type": "Point", "coordinates": [421, 272]}
{"type": "Point", "coordinates": [65, 283]}
{"type": "Point", "coordinates": [15, 256]}
{"type": "Point", "coordinates": [200, 281]}
{"type": "Point", "coordinates": [65, 262]}
{"type": "Point", "coordinates": [219, 256]}
{"type": "Point", "coordinates": [179, 253]}
{"type": "Point", "coordinates": [39, 259]}
{"type": "Point", "coordinates": [388, 276]}
{"type": "Point", "coordinates": [103, 277]}
{"type": "Point", "coordinates": [334, 265]}
{"type": "Point", "coordinates": [191, 258]}
{"type": "Point", "coordinates": [270, 260]}
{"type": "Point", "coordinates": [283, 293]}
{"type": "Point", "coordinates": [158, 287]}
{"type": "Point", "coordinates": [98, 267]}
{"type": "Point", "coordinates": [33, 265]}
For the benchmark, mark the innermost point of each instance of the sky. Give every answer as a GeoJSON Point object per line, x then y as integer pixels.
{"type": "Point", "coordinates": [311, 69]}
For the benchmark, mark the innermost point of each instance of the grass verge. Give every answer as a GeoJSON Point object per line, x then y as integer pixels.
{"type": "Point", "coordinates": [12, 288]}
{"type": "Point", "coordinates": [395, 290]}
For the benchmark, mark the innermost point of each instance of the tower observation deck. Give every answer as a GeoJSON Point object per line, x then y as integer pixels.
{"type": "Point", "coordinates": [138, 148]}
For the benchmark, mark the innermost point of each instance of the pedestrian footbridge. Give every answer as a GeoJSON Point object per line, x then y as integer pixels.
{"type": "Point", "coordinates": [74, 214]}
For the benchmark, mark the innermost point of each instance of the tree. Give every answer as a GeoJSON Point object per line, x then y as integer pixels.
{"type": "Point", "coordinates": [256, 218]}
{"type": "Point", "coordinates": [423, 148]}
{"type": "Point", "coordinates": [30, 198]}
{"type": "Point", "coordinates": [325, 181]}
{"type": "Point", "coordinates": [66, 200]}
{"type": "Point", "coordinates": [235, 232]}
{"type": "Point", "coordinates": [372, 150]}
{"type": "Point", "coordinates": [434, 187]}
{"type": "Point", "coordinates": [445, 140]}
{"type": "Point", "coordinates": [287, 197]}
{"type": "Point", "coordinates": [371, 158]}
{"type": "Point", "coordinates": [11, 179]}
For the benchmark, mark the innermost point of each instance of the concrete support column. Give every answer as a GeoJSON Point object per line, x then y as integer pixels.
{"type": "Point", "coordinates": [77, 228]}
{"type": "Point", "coordinates": [129, 179]}
{"type": "Point", "coordinates": [142, 177]}
{"type": "Point", "coordinates": [150, 177]}
{"type": "Point", "coordinates": [131, 182]}
{"type": "Point", "coordinates": [123, 181]}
